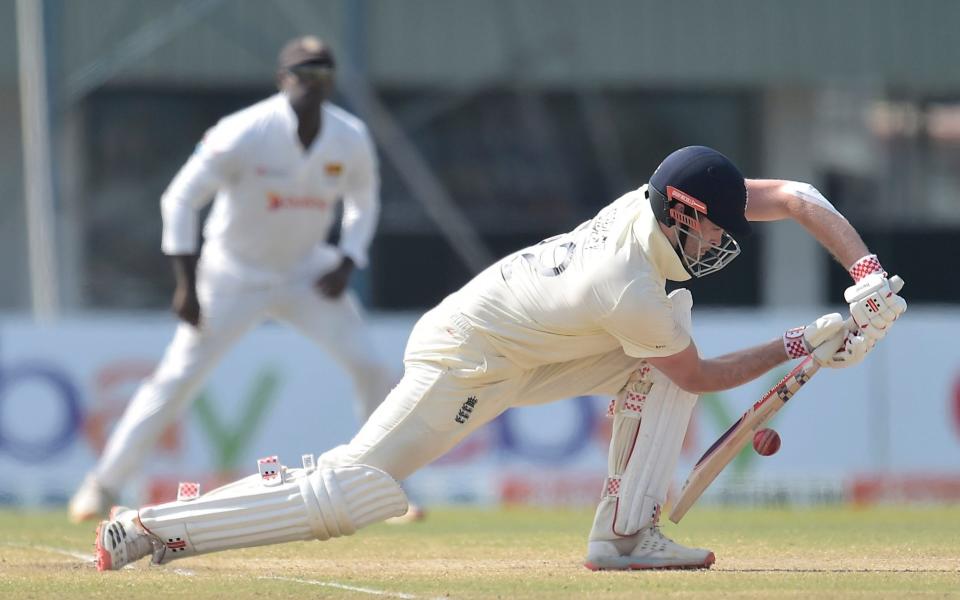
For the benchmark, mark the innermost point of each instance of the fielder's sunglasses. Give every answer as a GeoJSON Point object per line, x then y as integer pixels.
{"type": "Point", "coordinates": [312, 71]}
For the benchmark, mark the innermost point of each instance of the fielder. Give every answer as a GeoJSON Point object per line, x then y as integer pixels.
{"type": "Point", "coordinates": [581, 313]}
{"type": "Point", "coordinates": [277, 168]}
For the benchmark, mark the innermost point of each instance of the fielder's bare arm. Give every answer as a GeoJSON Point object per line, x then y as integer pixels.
{"type": "Point", "coordinates": [581, 313]}
{"type": "Point", "coordinates": [277, 170]}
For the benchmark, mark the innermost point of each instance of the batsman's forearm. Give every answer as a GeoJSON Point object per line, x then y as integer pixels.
{"type": "Point", "coordinates": [834, 233]}
{"type": "Point", "coordinates": [737, 368]}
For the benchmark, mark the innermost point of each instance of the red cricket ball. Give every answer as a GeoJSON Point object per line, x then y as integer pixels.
{"type": "Point", "coordinates": [766, 442]}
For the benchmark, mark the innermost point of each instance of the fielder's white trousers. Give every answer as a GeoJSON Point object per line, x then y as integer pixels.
{"type": "Point", "coordinates": [454, 382]}
{"type": "Point", "coordinates": [229, 308]}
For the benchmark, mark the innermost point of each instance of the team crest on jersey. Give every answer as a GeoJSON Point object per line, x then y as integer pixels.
{"type": "Point", "coordinates": [466, 409]}
{"type": "Point", "coordinates": [333, 169]}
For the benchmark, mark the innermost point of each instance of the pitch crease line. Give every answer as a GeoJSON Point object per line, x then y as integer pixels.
{"type": "Point", "coordinates": [71, 553]}
{"type": "Point", "coordinates": [342, 586]}
{"type": "Point", "coordinates": [83, 557]}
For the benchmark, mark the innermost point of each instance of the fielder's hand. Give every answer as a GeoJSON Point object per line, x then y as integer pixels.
{"type": "Point", "coordinates": [874, 304]}
{"type": "Point", "coordinates": [185, 302]}
{"type": "Point", "coordinates": [335, 282]}
{"type": "Point", "coordinates": [186, 305]}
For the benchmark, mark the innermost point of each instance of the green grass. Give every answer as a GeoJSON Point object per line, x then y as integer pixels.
{"type": "Point", "coordinates": [521, 553]}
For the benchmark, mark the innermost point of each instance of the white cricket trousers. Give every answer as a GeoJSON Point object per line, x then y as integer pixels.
{"type": "Point", "coordinates": [229, 308]}
{"type": "Point", "coordinates": [454, 382]}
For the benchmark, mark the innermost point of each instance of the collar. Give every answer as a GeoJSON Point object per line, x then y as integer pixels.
{"type": "Point", "coordinates": [663, 256]}
{"type": "Point", "coordinates": [290, 118]}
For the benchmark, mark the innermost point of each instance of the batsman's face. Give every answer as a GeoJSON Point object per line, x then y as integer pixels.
{"type": "Point", "coordinates": [707, 248]}
{"type": "Point", "coordinates": [711, 235]}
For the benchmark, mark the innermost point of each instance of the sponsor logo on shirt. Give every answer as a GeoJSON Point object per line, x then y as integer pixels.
{"type": "Point", "coordinates": [600, 227]}
{"type": "Point", "coordinates": [268, 171]}
{"type": "Point", "coordinates": [333, 169]}
{"type": "Point", "coordinates": [278, 202]}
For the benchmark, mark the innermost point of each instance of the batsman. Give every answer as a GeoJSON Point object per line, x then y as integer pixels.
{"type": "Point", "coordinates": [581, 313]}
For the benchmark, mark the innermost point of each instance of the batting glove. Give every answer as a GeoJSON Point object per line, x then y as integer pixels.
{"type": "Point", "coordinates": [874, 304]}
{"type": "Point", "coordinates": [828, 329]}
{"type": "Point", "coordinates": [845, 349]}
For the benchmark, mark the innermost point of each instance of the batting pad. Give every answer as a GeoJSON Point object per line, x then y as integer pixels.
{"type": "Point", "coordinates": [650, 419]}
{"type": "Point", "coordinates": [296, 504]}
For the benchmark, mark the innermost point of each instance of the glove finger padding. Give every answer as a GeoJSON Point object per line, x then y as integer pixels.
{"type": "Point", "coordinates": [898, 304]}
{"type": "Point", "coordinates": [846, 349]}
{"type": "Point", "coordinates": [830, 347]}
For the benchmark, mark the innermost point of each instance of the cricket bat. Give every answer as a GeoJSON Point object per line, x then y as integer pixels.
{"type": "Point", "coordinates": [741, 433]}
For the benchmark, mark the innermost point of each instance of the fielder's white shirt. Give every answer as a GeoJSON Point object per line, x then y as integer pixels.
{"type": "Point", "coordinates": [583, 293]}
{"type": "Point", "coordinates": [275, 200]}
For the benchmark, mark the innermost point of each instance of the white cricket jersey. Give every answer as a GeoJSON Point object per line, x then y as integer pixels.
{"type": "Point", "coordinates": [275, 200]}
{"type": "Point", "coordinates": [582, 293]}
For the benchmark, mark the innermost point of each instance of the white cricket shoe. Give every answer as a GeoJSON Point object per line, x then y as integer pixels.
{"type": "Point", "coordinates": [91, 501]}
{"type": "Point", "coordinates": [122, 540]}
{"type": "Point", "coordinates": [652, 551]}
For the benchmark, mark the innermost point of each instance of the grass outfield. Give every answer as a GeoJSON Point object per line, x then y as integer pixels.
{"type": "Point", "coordinates": [519, 553]}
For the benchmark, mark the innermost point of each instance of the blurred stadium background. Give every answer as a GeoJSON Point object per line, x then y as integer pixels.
{"type": "Point", "coordinates": [498, 123]}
